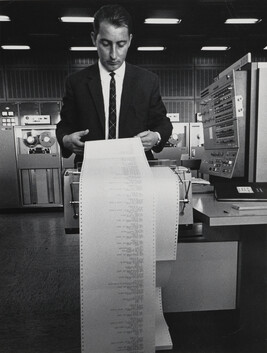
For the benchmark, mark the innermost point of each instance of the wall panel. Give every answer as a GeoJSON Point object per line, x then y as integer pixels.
{"type": "Point", "coordinates": [2, 85]}
{"type": "Point", "coordinates": [184, 107]}
{"type": "Point", "coordinates": [81, 59]}
{"type": "Point", "coordinates": [215, 59]}
{"type": "Point", "coordinates": [176, 82]}
{"type": "Point", "coordinates": [204, 77]}
{"type": "Point", "coordinates": [30, 84]}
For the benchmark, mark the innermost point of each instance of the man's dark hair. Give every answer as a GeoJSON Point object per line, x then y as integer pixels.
{"type": "Point", "coordinates": [116, 15]}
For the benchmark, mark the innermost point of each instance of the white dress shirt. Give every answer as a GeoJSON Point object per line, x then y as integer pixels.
{"type": "Point", "coordinates": [105, 82]}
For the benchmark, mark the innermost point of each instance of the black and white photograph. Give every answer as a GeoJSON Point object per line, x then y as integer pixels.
{"type": "Point", "coordinates": [133, 176]}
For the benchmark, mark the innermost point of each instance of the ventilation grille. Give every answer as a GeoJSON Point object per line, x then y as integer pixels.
{"type": "Point", "coordinates": [176, 82]}
{"type": "Point", "coordinates": [2, 89]}
{"type": "Point", "coordinates": [204, 77]}
{"type": "Point", "coordinates": [185, 108]}
{"type": "Point", "coordinates": [35, 84]}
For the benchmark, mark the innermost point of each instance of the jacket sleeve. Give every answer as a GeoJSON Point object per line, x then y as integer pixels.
{"type": "Point", "coordinates": [68, 113]}
{"type": "Point", "coordinates": [158, 120]}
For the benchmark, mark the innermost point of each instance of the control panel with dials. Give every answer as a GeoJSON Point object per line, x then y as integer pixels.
{"type": "Point", "coordinates": [223, 110]}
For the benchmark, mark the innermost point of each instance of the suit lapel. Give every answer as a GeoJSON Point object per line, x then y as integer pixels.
{"type": "Point", "coordinates": [129, 87]}
{"type": "Point", "coordinates": [95, 88]}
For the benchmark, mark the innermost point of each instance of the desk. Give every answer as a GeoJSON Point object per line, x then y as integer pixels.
{"type": "Point", "coordinates": [215, 213]}
{"type": "Point", "coordinates": [252, 263]}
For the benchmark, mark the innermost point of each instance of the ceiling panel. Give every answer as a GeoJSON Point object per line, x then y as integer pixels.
{"type": "Point", "coordinates": [36, 23]}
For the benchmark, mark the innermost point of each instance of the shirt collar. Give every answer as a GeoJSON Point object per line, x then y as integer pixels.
{"type": "Point", "coordinates": [119, 72]}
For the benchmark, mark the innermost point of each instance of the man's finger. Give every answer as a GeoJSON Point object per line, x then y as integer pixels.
{"type": "Point", "coordinates": [143, 133]}
{"type": "Point", "coordinates": [84, 132]}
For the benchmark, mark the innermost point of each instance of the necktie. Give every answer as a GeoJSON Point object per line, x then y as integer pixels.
{"type": "Point", "coordinates": [112, 107]}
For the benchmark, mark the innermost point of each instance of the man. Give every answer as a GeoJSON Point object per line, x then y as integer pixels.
{"type": "Point", "coordinates": [138, 109]}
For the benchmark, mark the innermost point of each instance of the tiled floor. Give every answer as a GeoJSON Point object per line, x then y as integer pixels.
{"type": "Point", "coordinates": [39, 273]}
{"type": "Point", "coordinates": [39, 294]}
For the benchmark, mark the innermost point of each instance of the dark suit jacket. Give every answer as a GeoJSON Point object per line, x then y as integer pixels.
{"type": "Point", "coordinates": [141, 107]}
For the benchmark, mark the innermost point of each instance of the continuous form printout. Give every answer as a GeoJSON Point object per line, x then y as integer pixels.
{"type": "Point", "coordinates": [117, 248]}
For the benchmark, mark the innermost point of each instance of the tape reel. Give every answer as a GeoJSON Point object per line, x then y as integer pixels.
{"type": "Point", "coordinates": [30, 140]}
{"type": "Point", "coordinates": [46, 140]}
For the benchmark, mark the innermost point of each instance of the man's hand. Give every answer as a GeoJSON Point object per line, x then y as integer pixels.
{"type": "Point", "coordinates": [73, 141]}
{"type": "Point", "coordinates": [148, 138]}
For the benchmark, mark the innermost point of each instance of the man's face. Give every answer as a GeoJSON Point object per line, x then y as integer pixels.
{"type": "Point", "coordinates": [112, 45]}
